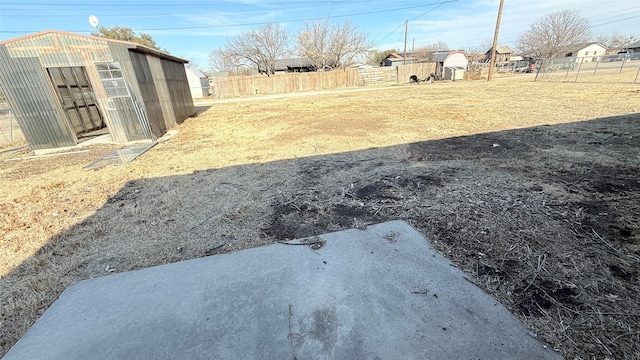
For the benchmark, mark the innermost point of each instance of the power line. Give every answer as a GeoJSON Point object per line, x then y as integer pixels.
{"type": "Point", "coordinates": [399, 26]}
{"type": "Point", "coordinates": [615, 21]}
{"type": "Point", "coordinates": [155, 4]}
{"type": "Point", "coordinates": [506, 38]}
{"type": "Point", "coordinates": [261, 22]}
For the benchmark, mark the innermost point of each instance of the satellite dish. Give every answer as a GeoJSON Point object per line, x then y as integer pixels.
{"type": "Point", "coordinates": [93, 20]}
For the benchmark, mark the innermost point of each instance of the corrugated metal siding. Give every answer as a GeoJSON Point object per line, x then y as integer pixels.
{"type": "Point", "coordinates": [179, 90]}
{"type": "Point", "coordinates": [162, 90]}
{"type": "Point", "coordinates": [34, 102]}
{"type": "Point", "coordinates": [158, 87]}
{"type": "Point", "coordinates": [142, 66]}
{"type": "Point", "coordinates": [59, 50]}
{"type": "Point", "coordinates": [122, 110]}
{"type": "Point", "coordinates": [140, 120]}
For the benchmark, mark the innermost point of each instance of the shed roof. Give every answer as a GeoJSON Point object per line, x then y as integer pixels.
{"type": "Point", "coordinates": [131, 45]}
{"type": "Point", "coordinates": [196, 72]}
{"type": "Point", "coordinates": [394, 56]}
{"type": "Point", "coordinates": [633, 45]}
{"type": "Point", "coordinates": [400, 56]}
{"type": "Point", "coordinates": [441, 56]}
{"type": "Point", "coordinates": [502, 49]}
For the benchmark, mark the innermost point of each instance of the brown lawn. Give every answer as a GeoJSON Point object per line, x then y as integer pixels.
{"type": "Point", "coordinates": [532, 188]}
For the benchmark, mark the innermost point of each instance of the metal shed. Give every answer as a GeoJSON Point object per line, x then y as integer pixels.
{"type": "Point", "coordinates": [198, 83]}
{"type": "Point", "coordinates": [64, 86]}
{"type": "Point", "coordinates": [453, 59]}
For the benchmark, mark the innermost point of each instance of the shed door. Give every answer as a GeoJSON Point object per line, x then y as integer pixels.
{"type": "Point", "coordinates": [76, 94]}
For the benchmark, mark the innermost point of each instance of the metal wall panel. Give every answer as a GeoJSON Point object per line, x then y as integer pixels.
{"type": "Point", "coordinates": [122, 110]}
{"type": "Point", "coordinates": [37, 107]}
{"type": "Point", "coordinates": [157, 85]}
{"type": "Point", "coordinates": [56, 50]}
{"type": "Point", "coordinates": [138, 123]}
{"type": "Point", "coordinates": [142, 64]}
{"type": "Point", "coordinates": [176, 78]}
{"type": "Point", "coordinates": [59, 49]}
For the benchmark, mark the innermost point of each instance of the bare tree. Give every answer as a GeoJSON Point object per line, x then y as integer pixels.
{"type": "Point", "coordinates": [346, 44]}
{"type": "Point", "coordinates": [329, 46]}
{"type": "Point", "coordinates": [477, 53]}
{"type": "Point", "coordinates": [552, 35]}
{"type": "Point", "coordinates": [479, 49]}
{"type": "Point", "coordinates": [616, 41]}
{"type": "Point", "coordinates": [192, 64]}
{"type": "Point", "coordinates": [425, 53]}
{"type": "Point", "coordinates": [313, 41]}
{"type": "Point", "coordinates": [255, 48]}
{"type": "Point", "coordinates": [219, 60]}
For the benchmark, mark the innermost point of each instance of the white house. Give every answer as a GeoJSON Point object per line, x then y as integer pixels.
{"type": "Point", "coordinates": [198, 83]}
{"type": "Point", "coordinates": [587, 52]}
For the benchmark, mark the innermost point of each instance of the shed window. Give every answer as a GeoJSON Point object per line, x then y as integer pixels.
{"type": "Point", "coordinates": [112, 79]}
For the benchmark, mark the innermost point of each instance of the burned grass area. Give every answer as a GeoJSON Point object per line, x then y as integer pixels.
{"type": "Point", "coordinates": [548, 227]}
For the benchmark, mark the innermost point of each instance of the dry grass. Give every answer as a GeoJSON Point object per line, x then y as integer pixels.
{"type": "Point", "coordinates": [248, 173]}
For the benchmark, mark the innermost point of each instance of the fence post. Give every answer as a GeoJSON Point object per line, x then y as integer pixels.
{"type": "Point", "coordinates": [637, 72]}
{"type": "Point", "coordinates": [622, 65]}
{"type": "Point", "coordinates": [578, 72]}
{"type": "Point", "coordinates": [596, 69]}
{"type": "Point", "coordinates": [539, 68]}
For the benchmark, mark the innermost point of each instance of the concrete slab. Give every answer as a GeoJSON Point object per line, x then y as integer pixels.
{"type": "Point", "coordinates": [379, 293]}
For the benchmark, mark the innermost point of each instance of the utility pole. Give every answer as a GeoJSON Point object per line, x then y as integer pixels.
{"type": "Point", "coordinates": [492, 64]}
{"type": "Point", "coordinates": [404, 56]}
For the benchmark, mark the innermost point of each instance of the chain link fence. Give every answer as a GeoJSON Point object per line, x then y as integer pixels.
{"type": "Point", "coordinates": [620, 68]}
{"type": "Point", "coordinates": [10, 134]}
{"type": "Point", "coordinates": [609, 68]}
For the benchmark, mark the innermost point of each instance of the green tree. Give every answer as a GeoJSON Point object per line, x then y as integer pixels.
{"type": "Point", "coordinates": [126, 34]}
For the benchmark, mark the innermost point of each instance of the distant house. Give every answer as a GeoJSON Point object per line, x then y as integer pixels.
{"type": "Point", "coordinates": [395, 59]}
{"type": "Point", "coordinates": [587, 52]}
{"type": "Point", "coordinates": [198, 83]}
{"type": "Point", "coordinates": [293, 65]}
{"type": "Point", "coordinates": [450, 59]}
{"type": "Point", "coordinates": [503, 54]}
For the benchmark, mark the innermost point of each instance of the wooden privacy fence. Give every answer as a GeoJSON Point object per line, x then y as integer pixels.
{"type": "Point", "coordinates": [235, 86]}
{"type": "Point", "coordinates": [239, 86]}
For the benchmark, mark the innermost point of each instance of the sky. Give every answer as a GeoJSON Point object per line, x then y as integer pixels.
{"type": "Point", "coordinates": [192, 29]}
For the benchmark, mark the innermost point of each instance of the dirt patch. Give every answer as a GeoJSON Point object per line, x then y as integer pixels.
{"type": "Point", "coordinates": [537, 202]}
